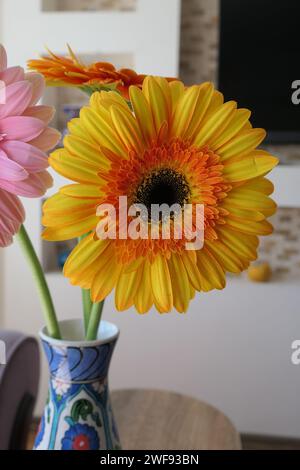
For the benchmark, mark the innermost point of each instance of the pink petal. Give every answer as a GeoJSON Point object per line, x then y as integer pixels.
{"type": "Point", "coordinates": [38, 83]}
{"type": "Point", "coordinates": [44, 113]}
{"type": "Point", "coordinates": [11, 207]}
{"type": "Point", "coordinates": [9, 170]}
{"type": "Point", "coordinates": [18, 97]}
{"type": "Point", "coordinates": [12, 75]}
{"type": "Point", "coordinates": [34, 186]}
{"type": "Point", "coordinates": [47, 140]}
{"type": "Point", "coordinates": [12, 215]}
{"type": "Point", "coordinates": [6, 239]}
{"type": "Point", "coordinates": [21, 128]}
{"type": "Point", "coordinates": [26, 155]}
{"type": "Point", "coordinates": [3, 58]}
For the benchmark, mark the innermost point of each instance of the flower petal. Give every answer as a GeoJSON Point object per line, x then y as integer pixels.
{"type": "Point", "coordinates": [144, 299]}
{"type": "Point", "coordinates": [215, 125]}
{"type": "Point", "coordinates": [233, 127]}
{"type": "Point", "coordinates": [44, 113]}
{"type": "Point", "coordinates": [127, 129]}
{"type": "Point", "coordinates": [161, 284]}
{"type": "Point", "coordinates": [126, 288]}
{"type": "Point", "coordinates": [143, 114]}
{"type": "Point", "coordinates": [74, 168]}
{"type": "Point", "coordinates": [180, 283]}
{"type": "Point", "coordinates": [21, 128]}
{"type": "Point", "coordinates": [99, 126]}
{"type": "Point", "coordinates": [38, 86]}
{"type": "Point", "coordinates": [106, 277]}
{"type": "Point", "coordinates": [47, 140]}
{"type": "Point", "coordinates": [35, 185]}
{"type": "Point", "coordinates": [3, 58]}
{"type": "Point", "coordinates": [184, 111]}
{"type": "Point", "coordinates": [12, 75]}
{"type": "Point", "coordinates": [86, 151]}
{"type": "Point", "coordinates": [242, 144]}
{"type": "Point", "coordinates": [10, 170]}
{"type": "Point", "coordinates": [26, 155]}
{"type": "Point", "coordinates": [249, 167]}
{"type": "Point", "coordinates": [157, 101]}
{"type": "Point", "coordinates": [18, 96]}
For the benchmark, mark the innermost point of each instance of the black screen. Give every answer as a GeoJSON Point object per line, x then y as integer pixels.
{"type": "Point", "coordinates": [259, 61]}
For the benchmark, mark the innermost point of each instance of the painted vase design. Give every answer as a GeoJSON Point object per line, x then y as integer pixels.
{"type": "Point", "coordinates": [78, 413]}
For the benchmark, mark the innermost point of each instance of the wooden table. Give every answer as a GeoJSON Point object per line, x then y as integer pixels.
{"type": "Point", "coordinates": [155, 420]}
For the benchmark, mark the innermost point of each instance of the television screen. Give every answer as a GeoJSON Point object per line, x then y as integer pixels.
{"type": "Point", "coordinates": [259, 63]}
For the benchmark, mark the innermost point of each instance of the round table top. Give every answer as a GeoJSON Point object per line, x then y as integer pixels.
{"type": "Point", "coordinates": [157, 420]}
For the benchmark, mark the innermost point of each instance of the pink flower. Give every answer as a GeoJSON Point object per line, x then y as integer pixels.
{"type": "Point", "coordinates": [24, 139]}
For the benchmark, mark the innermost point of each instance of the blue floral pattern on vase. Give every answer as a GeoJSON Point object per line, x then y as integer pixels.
{"type": "Point", "coordinates": [78, 413]}
{"type": "Point", "coordinates": [80, 437]}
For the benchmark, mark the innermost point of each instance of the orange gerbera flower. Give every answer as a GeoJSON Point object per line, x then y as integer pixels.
{"type": "Point", "coordinates": [173, 145]}
{"type": "Point", "coordinates": [71, 71]}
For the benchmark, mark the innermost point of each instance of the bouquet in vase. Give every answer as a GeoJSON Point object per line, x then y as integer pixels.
{"type": "Point", "coordinates": [167, 193]}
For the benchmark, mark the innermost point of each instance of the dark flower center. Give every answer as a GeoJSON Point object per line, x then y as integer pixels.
{"type": "Point", "coordinates": [163, 186]}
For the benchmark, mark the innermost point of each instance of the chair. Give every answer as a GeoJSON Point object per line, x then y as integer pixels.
{"type": "Point", "coordinates": [19, 379]}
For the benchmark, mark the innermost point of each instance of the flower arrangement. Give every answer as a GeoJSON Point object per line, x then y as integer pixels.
{"type": "Point", "coordinates": [152, 141]}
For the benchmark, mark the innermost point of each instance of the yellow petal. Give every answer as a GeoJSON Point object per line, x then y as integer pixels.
{"type": "Point", "coordinates": [189, 259]}
{"type": "Point", "coordinates": [143, 114]}
{"type": "Point", "coordinates": [106, 278]}
{"type": "Point", "coordinates": [240, 243]}
{"type": "Point", "coordinates": [107, 99]}
{"type": "Point", "coordinates": [73, 167]}
{"type": "Point", "coordinates": [184, 111]}
{"type": "Point", "coordinates": [126, 288]}
{"type": "Point", "coordinates": [234, 126]}
{"type": "Point", "coordinates": [212, 274]}
{"type": "Point", "coordinates": [255, 228]}
{"type": "Point", "coordinates": [161, 284]}
{"type": "Point", "coordinates": [83, 255]}
{"type": "Point", "coordinates": [84, 191]}
{"type": "Point", "coordinates": [157, 101]}
{"type": "Point", "coordinates": [99, 126]}
{"type": "Point", "coordinates": [165, 86]}
{"type": "Point", "coordinates": [180, 283]}
{"type": "Point", "coordinates": [177, 90]}
{"type": "Point", "coordinates": [204, 100]}
{"type": "Point", "coordinates": [249, 199]}
{"type": "Point", "coordinates": [86, 150]}
{"type": "Point", "coordinates": [71, 215]}
{"type": "Point", "coordinates": [127, 129]}
{"type": "Point", "coordinates": [68, 232]}
{"type": "Point", "coordinates": [60, 203]}
{"type": "Point", "coordinates": [75, 128]}
{"type": "Point", "coordinates": [246, 214]}
{"type": "Point", "coordinates": [225, 256]}
{"type": "Point", "coordinates": [215, 125]}
{"type": "Point", "coordinates": [242, 144]}
{"type": "Point", "coordinates": [144, 299]}
{"type": "Point", "coordinates": [248, 167]}
{"type": "Point", "coordinates": [262, 185]}
{"type": "Point", "coordinates": [216, 102]}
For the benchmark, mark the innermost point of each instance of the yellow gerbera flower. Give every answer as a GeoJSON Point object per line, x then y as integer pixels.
{"type": "Point", "coordinates": [176, 145]}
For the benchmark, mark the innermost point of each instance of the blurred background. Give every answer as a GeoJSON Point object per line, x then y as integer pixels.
{"type": "Point", "coordinates": [233, 348]}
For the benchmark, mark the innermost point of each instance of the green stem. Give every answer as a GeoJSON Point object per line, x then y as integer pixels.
{"type": "Point", "coordinates": [87, 307]}
{"type": "Point", "coordinates": [86, 300]}
{"type": "Point", "coordinates": [96, 314]}
{"type": "Point", "coordinates": [41, 283]}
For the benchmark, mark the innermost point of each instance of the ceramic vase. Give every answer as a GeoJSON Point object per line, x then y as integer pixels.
{"type": "Point", "coordinates": [78, 413]}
